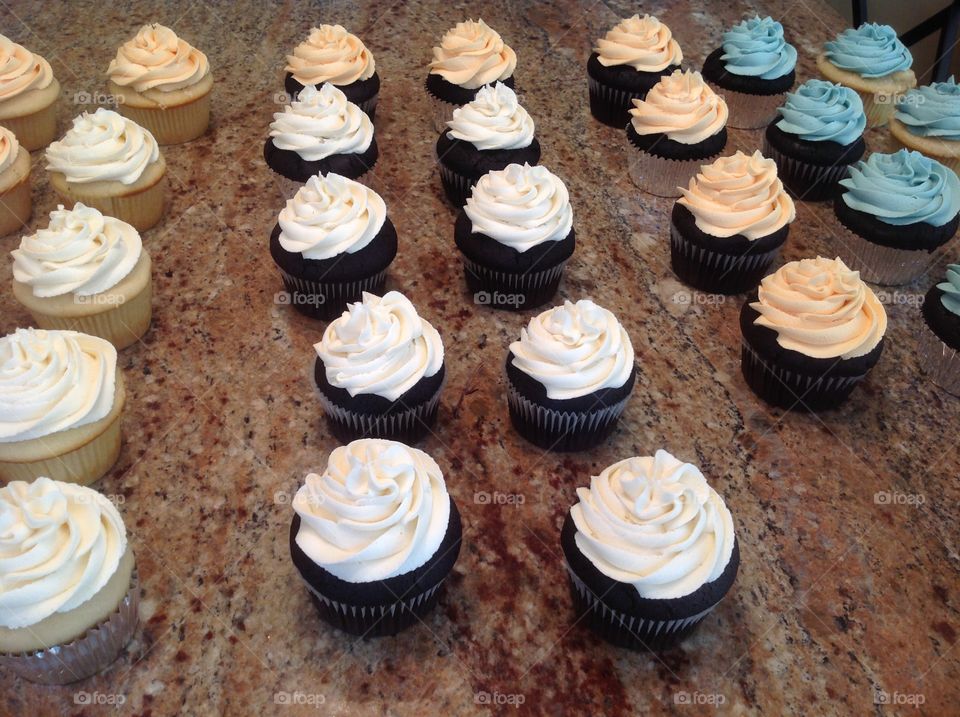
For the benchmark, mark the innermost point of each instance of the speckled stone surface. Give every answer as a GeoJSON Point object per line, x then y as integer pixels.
{"type": "Point", "coordinates": [840, 596]}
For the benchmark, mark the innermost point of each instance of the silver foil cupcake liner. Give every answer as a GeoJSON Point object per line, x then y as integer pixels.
{"type": "Point", "coordinates": [712, 271]}
{"type": "Point", "coordinates": [749, 111]}
{"type": "Point", "coordinates": [328, 298]}
{"type": "Point", "coordinates": [804, 172]}
{"type": "Point", "coordinates": [90, 653]}
{"type": "Point", "coordinates": [940, 362]}
{"type": "Point", "coordinates": [440, 112]}
{"type": "Point", "coordinates": [880, 264]}
{"type": "Point", "coordinates": [375, 620]}
{"type": "Point", "coordinates": [663, 177]}
{"type": "Point", "coordinates": [408, 425]}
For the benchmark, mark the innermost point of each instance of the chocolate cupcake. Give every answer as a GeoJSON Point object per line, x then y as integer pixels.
{"type": "Point", "coordinates": [375, 536]}
{"type": "Point", "coordinates": [331, 54]}
{"type": "Point", "coordinates": [569, 377]}
{"type": "Point", "coordinates": [332, 242]}
{"type": "Point", "coordinates": [515, 235]}
{"type": "Point", "coordinates": [940, 336]}
{"type": "Point", "coordinates": [727, 228]}
{"type": "Point", "coordinates": [650, 549]}
{"type": "Point", "coordinates": [486, 134]}
{"type": "Point", "coordinates": [927, 119]}
{"type": "Point", "coordinates": [380, 371]}
{"type": "Point", "coordinates": [629, 60]}
{"type": "Point", "coordinates": [678, 127]}
{"type": "Point", "coordinates": [819, 134]}
{"type": "Point", "coordinates": [897, 211]}
{"type": "Point", "coordinates": [752, 69]}
{"type": "Point", "coordinates": [811, 334]}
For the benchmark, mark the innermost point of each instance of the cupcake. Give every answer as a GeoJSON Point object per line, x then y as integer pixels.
{"type": "Point", "coordinates": [650, 550]}
{"type": "Point", "coordinates": [331, 54]}
{"type": "Point", "coordinates": [678, 127]}
{"type": "Point", "coordinates": [728, 227]}
{"type": "Point", "coordinates": [69, 589]}
{"type": "Point", "coordinates": [940, 335]}
{"type": "Point", "coordinates": [515, 235]}
{"type": "Point", "coordinates": [812, 333]}
{"type": "Point", "coordinates": [486, 134]}
{"type": "Point", "coordinates": [818, 135]}
{"type": "Point", "coordinates": [752, 69]}
{"type": "Point", "coordinates": [927, 119]}
{"type": "Point", "coordinates": [332, 242]}
{"type": "Point", "coordinates": [16, 203]}
{"type": "Point", "coordinates": [320, 132]}
{"type": "Point", "coordinates": [470, 55]}
{"type": "Point", "coordinates": [897, 211]}
{"type": "Point", "coordinates": [872, 61]}
{"type": "Point", "coordinates": [569, 377]}
{"type": "Point", "coordinates": [380, 371]}
{"type": "Point", "coordinates": [28, 95]}
{"type": "Point", "coordinates": [85, 272]}
{"type": "Point", "coordinates": [375, 536]}
{"type": "Point", "coordinates": [110, 163]}
{"type": "Point", "coordinates": [61, 397]}
{"type": "Point", "coordinates": [629, 60]}
{"type": "Point", "coordinates": [163, 84]}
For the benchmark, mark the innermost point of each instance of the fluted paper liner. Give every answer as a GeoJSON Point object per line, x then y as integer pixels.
{"type": "Point", "coordinates": [172, 125]}
{"type": "Point", "coordinates": [328, 299]}
{"type": "Point", "coordinates": [16, 205]}
{"type": "Point", "coordinates": [713, 271]}
{"type": "Point", "coordinates": [825, 176]}
{"type": "Point", "coordinates": [880, 264]}
{"type": "Point", "coordinates": [940, 362]}
{"type": "Point", "coordinates": [143, 209]}
{"type": "Point", "coordinates": [407, 426]}
{"type": "Point", "coordinates": [749, 111]}
{"type": "Point", "coordinates": [663, 177]}
{"type": "Point", "coordinates": [39, 128]}
{"type": "Point", "coordinates": [536, 287]}
{"type": "Point", "coordinates": [440, 112]}
{"type": "Point", "coordinates": [614, 100]}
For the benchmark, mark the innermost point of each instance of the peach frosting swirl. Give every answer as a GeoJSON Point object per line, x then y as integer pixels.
{"type": "Point", "coordinates": [644, 43]}
{"type": "Point", "coordinates": [331, 54]}
{"type": "Point", "coordinates": [472, 55]}
{"type": "Point", "coordinates": [156, 59]}
{"type": "Point", "coordinates": [21, 70]}
{"type": "Point", "coordinates": [683, 107]}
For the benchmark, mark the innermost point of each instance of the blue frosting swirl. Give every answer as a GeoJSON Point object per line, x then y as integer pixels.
{"type": "Point", "coordinates": [756, 48]}
{"type": "Point", "coordinates": [903, 188]}
{"type": "Point", "coordinates": [932, 110]}
{"type": "Point", "coordinates": [871, 50]}
{"type": "Point", "coordinates": [820, 111]}
{"type": "Point", "coordinates": [951, 289]}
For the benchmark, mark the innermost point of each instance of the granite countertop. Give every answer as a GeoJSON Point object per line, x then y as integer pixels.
{"type": "Point", "coordinates": [847, 522]}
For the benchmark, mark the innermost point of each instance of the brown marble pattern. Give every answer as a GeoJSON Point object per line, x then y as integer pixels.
{"type": "Point", "coordinates": [838, 596]}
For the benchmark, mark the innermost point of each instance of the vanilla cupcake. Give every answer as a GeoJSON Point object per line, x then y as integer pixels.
{"type": "Point", "coordinates": [85, 272]}
{"type": "Point", "coordinates": [28, 95]}
{"type": "Point", "coordinates": [16, 203]}
{"type": "Point", "coordinates": [110, 163]}
{"type": "Point", "coordinates": [163, 84]}
{"type": "Point", "coordinates": [61, 397]}
{"type": "Point", "coordinates": [927, 120]}
{"type": "Point", "coordinates": [69, 589]}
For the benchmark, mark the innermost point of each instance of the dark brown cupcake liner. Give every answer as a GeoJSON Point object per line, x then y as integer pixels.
{"type": "Point", "coordinates": [519, 292]}
{"type": "Point", "coordinates": [714, 272]}
{"type": "Point", "coordinates": [608, 104]}
{"type": "Point", "coordinates": [327, 300]}
{"type": "Point", "coordinates": [407, 424]}
{"type": "Point", "coordinates": [458, 187]}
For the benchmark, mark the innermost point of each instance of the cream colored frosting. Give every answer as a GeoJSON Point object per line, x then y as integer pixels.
{"type": "Point", "coordinates": [21, 70]}
{"type": "Point", "coordinates": [655, 523]}
{"type": "Point", "coordinates": [156, 59]}
{"type": "Point", "coordinates": [683, 107]}
{"type": "Point", "coordinates": [740, 194]}
{"type": "Point", "coordinates": [822, 309]}
{"type": "Point", "coordinates": [330, 54]}
{"type": "Point", "coordinates": [472, 55]}
{"type": "Point", "coordinates": [320, 123]}
{"type": "Point", "coordinates": [60, 543]}
{"type": "Point", "coordinates": [9, 149]}
{"type": "Point", "coordinates": [644, 43]}
{"type": "Point", "coordinates": [494, 119]}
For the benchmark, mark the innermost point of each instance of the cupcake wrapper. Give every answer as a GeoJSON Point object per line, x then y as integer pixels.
{"type": "Point", "coordinates": [663, 177]}
{"type": "Point", "coordinates": [880, 264]}
{"type": "Point", "coordinates": [34, 131]}
{"type": "Point", "coordinates": [440, 112]}
{"type": "Point", "coordinates": [456, 186]}
{"type": "Point", "coordinates": [714, 272]}
{"type": "Point", "coordinates": [749, 111]}
{"type": "Point", "coordinates": [878, 113]}
{"type": "Point", "coordinates": [941, 363]}
{"type": "Point", "coordinates": [287, 188]}
{"type": "Point", "coordinates": [97, 648]}
{"type": "Point", "coordinates": [407, 425]}
{"type": "Point", "coordinates": [172, 125]}
{"type": "Point", "coordinates": [143, 210]}
{"type": "Point", "coordinates": [610, 105]}
{"type": "Point", "coordinates": [327, 300]}
{"type": "Point", "coordinates": [806, 182]}
{"type": "Point", "coordinates": [370, 106]}
{"type": "Point", "coordinates": [526, 291]}
{"type": "Point", "coordinates": [16, 205]}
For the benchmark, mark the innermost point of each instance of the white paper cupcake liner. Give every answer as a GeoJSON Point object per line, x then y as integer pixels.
{"type": "Point", "coordinates": [941, 363]}
{"type": "Point", "coordinates": [663, 177]}
{"type": "Point", "coordinates": [880, 264]}
{"type": "Point", "coordinates": [787, 388]}
{"type": "Point", "coordinates": [720, 267]}
{"type": "Point", "coordinates": [327, 297]}
{"type": "Point", "coordinates": [749, 111]}
{"type": "Point", "coordinates": [440, 112]}
{"type": "Point", "coordinates": [804, 171]}
{"type": "Point", "coordinates": [521, 282]}
{"type": "Point", "coordinates": [412, 421]}
{"type": "Point", "coordinates": [612, 96]}
{"type": "Point", "coordinates": [374, 620]}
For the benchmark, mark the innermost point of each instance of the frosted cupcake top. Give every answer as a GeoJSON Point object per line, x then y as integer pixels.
{"type": "Point", "coordinates": [643, 43]}
{"type": "Point", "coordinates": [320, 123]}
{"type": "Point", "coordinates": [380, 346]}
{"type": "Point", "coordinates": [902, 188]}
{"type": "Point", "coordinates": [520, 206]}
{"type": "Point", "coordinates": [80, 251]}
{"type": "Point", "coordinates": [60, 543]}
{"type": "Point", "coordinates": [821, 111]}
{"type": "Point", "coordinates": [472, 55]}
{"type": "Point", "coordinates": [21, 70]}
{"type": "Point", "coordinates": [870, 50]}
{"type": "Point", "coordinates": [331, 54]}
{"type": "Point", "coordinates": [380, 509]}
{"type": "Point", "coordinates": [820, 308]}
{"type": "Point", "coordinates": [103, 146]}
{"type": "Point", "coordinates": [330, 215]}
{"type": "Point", "coordinates": [932, 110]}
{"type": "Point", "coordinates": [494, 119]}
{"type": "Point", "coordinates": [740, 194]}
{"type": "Point", "coordinates": [951, 290]}
{"type": "Point", "coordinates": [756, 48]}
{"type": "Point", "coordinates": [681, 106]}
{"type": "Point", "coordinates": [9, 149]}
{"type": "Point", "coordinates": [574, 350]}
{"type": "Point", "coordinates": [655, 523]}
{"type": "Point", "coordinates": [52, 381]}
{"type": "Point", "coordinates": [156, 59]}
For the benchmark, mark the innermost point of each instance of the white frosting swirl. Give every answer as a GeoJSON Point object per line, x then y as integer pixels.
{"type": "Point", "coordinates": [472, 55]}
{"type": "Point", "coordinates": [331, 215]}
{"type": "Point", "coordinates": [9, 149]}
{"type": "Point", "coordinates": [740, 194]}
{"type": "Point", "coordinates": [103, 146]}
{"type": "Point", "coordinates": [520, 206]}
{"type": "Point", "coordinates": [51, 381]}
{"type": "Point", "coordinates": [654, 522]}
{"type": "Point", "coordinates": [683, 107]}
{"type": "Point", "coordinates": [644, 43]}
{"type": "Point", "coordinates": [381, 346]}
{"type": "Point", "coordinates": [330, 54]}
{"type": "Point", "coordinates": [320, 123]}
{"type": "Point", "coordinates": [21, 70]}
{"type": "Point", "coordinates": [379, 510]}
{"type": "Point", "coordinates": [155, 58]}
{"type": "Point", "coordinates": [494, 119]}
{"type": "Point", "coordinates": [60, 543]}
{"type": "Point", "coordinates": [574, 350]}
